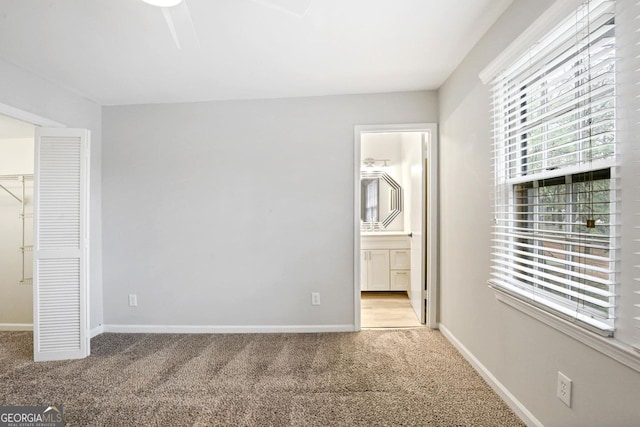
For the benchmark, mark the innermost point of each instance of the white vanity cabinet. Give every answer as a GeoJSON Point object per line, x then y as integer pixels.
{"type": "Point", "coordinates": [385, 262]}
{"type": "Point", "coordinates": [374, 270]}
{"type": "Point", "coordinates": [400, 266]}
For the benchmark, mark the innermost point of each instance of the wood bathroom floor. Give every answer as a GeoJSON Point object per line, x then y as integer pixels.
{"type": "Point", "coordinates": [387, 310]}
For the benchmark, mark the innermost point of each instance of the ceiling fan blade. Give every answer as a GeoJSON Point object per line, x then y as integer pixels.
{"type": "Point", "coordinates": [181, 26]}
{"type": "Point", "coordinates": [297, 8]}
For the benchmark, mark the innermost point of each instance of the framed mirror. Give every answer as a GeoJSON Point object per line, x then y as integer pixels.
{"type": "Point", "coordinates": [381, 200]}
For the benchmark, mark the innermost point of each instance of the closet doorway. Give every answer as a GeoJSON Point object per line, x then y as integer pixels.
{"type": "Point", "coordinates": [395, 226]}
{"type": "Point", "coordinates": [57, 203]}
{"type": "Point", "coordinates": [16, 224]}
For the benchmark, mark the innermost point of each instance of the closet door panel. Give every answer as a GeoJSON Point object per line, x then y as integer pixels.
{"type": "Point", "coordinates": [61, 246]}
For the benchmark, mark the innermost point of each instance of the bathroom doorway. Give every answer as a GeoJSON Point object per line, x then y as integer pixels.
{"type": "Point", "coordinates": [395, 226]}
{"type": "Point", "coordinates": [389, 309]}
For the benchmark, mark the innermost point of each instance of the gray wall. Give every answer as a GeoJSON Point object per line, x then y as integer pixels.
{"type": "Point", "coordinates": [25, 91]}
{"type": "Point", "coordinates": [232, 213]}
{"type": "Point", "coordinates": [522, 353]}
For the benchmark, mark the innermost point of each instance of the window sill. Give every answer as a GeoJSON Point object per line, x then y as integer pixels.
{"type": "Point", "coordinates": [608, 346]}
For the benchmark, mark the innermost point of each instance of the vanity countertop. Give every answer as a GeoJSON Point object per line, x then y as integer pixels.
{"type": "Point", "coordinates": [384, 233]}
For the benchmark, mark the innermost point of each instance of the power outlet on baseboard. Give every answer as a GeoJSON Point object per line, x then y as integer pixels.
{"type": "Point", "coordinates": [564, 389]}
{"type": "Point", "coordinates": [133, 300]}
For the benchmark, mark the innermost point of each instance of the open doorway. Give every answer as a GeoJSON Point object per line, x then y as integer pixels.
{"type": "Point", "coordinates": [16, 224]}
{"type": "Point", "coordinates": [395, 226]}
{"type": "Point", "coordinates": [50, 166]}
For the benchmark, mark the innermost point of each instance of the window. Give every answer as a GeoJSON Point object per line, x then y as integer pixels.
{"type": "Point", "coordinates": [555, 239]}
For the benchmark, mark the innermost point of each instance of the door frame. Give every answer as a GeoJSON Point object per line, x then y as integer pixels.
{"type": "Point", "coordinates": [429, 226]}
{"type": "Point", "coordinates": [25, 116]}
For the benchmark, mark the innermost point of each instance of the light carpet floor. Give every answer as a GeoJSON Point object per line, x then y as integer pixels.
{"type": "Point", "coordinates": [404, 377]}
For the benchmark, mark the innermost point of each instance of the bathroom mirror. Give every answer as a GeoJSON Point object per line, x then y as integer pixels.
{"type": "Point", "coordinates": [381, 200]}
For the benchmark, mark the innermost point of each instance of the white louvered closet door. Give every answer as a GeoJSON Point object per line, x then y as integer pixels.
{"type": "Point", "coordinates": [61, 244]}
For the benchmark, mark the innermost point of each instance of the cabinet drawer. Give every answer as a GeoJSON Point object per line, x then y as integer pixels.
{"type": "Point", "coordinates": [400, 259]}
{"type": "Point", "coordinates": [400, 280]}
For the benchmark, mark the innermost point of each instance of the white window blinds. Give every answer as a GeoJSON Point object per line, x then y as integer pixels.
{"type": "Point", "coordinates": [637, 240]}
{"type": "Point", "coordinates": [555, 177]}
{"type": "Point", "coordinates": [636, 127]}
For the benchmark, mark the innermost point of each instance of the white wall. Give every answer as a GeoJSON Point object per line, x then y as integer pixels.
{"type": "Point", "coordinates": [232, 213]}
{"type": "Point", "coordinates": [522, 353]}
{"type": "Point", "coordinates": [16, 156]}
{"type": "Point", "coordinates": [16, 304]}
{"type": "Point", "coordinates": [34, 94]}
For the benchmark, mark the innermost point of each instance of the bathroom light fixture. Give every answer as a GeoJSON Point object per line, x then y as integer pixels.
{"type": "Point", "coordinates": [370, 162]}
{"type": "Point", "coordinates": [163, 3]}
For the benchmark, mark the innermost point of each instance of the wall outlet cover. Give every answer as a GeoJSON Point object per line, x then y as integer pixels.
{"type": "Point", "coordinates": [315, 298]}
{"type": "Point", "coordinates": [564, 389]}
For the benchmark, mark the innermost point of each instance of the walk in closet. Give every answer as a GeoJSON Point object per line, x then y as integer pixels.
{"type": "Point", "coordinates": [16, 224]}
{"type": "Point", "coordinates": [23, 198]}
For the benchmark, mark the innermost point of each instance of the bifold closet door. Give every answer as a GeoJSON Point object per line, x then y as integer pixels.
{"type": "Point", "coordinates": [61, 244]}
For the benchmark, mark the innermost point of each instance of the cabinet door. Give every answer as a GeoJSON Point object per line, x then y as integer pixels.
{"type": "Point", "coordinates": [400, 280]}
{"type": "Point", "coordinates": [364, 270]}
{"type": "Point", "coordinates": [379, 270]}
{"type": "Point", "coordinates": [400, 259]}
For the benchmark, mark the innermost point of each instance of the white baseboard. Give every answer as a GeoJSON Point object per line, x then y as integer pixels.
{"type": "Point", "coordinates": [513, 403]}
{"type": "Point", "coordinates": [96, 331]}
{"type": "Point", "coordinates": [212, 329]}
{"type": "Point", "coordinates": [16, 326]}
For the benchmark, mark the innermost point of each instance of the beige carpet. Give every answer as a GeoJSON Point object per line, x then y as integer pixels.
{"type": "Point", "coordinates": [408, 377]}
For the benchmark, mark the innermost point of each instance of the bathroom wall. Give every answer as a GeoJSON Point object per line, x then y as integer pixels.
{"type": "Point", "coordinates": [403, 150]}
{"type": "Point", "coordinates": [386, 146]}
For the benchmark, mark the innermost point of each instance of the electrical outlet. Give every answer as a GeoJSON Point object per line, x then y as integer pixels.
{"type": "Point", "coordinates": [133, 300]}
{"type": "Point", "coordinates": [564, 389]}
{"type": "Point", "coordinates": [315, 298]}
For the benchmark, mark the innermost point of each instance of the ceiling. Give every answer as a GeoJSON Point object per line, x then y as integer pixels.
{"type": "Point", "coordinates": [122, 52]}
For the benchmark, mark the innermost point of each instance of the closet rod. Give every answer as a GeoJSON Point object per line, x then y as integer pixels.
{"type": "Point", "coordinates": [17, 176]}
